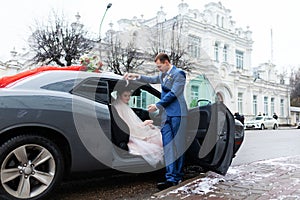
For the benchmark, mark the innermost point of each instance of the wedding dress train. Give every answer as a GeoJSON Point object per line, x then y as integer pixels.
{"type": "Point", "coordinates": [144, 140]}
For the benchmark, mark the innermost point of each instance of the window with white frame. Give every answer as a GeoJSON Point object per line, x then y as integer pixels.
{"type": "Point", "coordinates": [272, 105]}
{"type": "Point", "coordinates": [216, 50]}
{"type": "Point", "coordinates": [144, 100]}
{"type": "Point", "coordinates": [137, 101]}
{"type": "Point", "coordinates": [240, 102]}
{"type": "Point", "coordinates": [194, 46]}
{"type": "Point", "coordinates": [194, 92]}
{"type": "Point", "coordinates": [254, 104]}
{"type": "Point", "coordinates": [266, 105]}
{"type": "Point", "coordinates": [282, 107]}
{"type": "Point", "coordinates": [239, 59]}
{"type": "Point", "coordinates": [225, 53]}
{"type": "Point", "coordinates": [217, 20]}
{"type": "Point", "coordinates": [141, 101]}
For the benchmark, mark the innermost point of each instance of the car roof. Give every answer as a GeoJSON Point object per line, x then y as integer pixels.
{"type": "Point", "coordinates": [48, 77]}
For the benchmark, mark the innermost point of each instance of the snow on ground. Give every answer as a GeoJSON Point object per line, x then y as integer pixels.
{"type": "Point", "coordinates": [200, 186]}
{"type": "Point", "coordinates": [244, 174]}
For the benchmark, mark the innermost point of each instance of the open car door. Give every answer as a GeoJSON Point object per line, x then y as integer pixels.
{"type": "Point", "coordinates": [210, 130]}
{"type": "Point", "coordinates": [211, 138]}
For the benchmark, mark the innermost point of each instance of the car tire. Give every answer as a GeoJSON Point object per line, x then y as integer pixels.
{"type": "Point", "coordinates": [262, 127]}
{"type": "Point", "coordinates": [275, 127]}
{"type": "Point", "coordinates": [31, 167]}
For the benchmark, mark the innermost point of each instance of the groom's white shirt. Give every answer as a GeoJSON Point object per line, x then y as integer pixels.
{"type": "Point", "coordinates": [167, 73]}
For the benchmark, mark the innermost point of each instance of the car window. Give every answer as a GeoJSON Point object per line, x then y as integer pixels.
{"type": "Point", "coordinates": [93, 89]}
{"type": "Point", "coordinates": [143, 100]}
{"type": "Point", "coordinates": [62, 86]}
{"type": "Point", "coordinates": [140, 100]}
{"type": "Point", "coordinates": [200, 92]}
{"type": "Point", "coordinates": [258, 118]}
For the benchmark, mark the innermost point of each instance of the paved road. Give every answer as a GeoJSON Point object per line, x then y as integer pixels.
{"type": "Point", "coordinates": [266, 167]}
{"type": "Point", "coordinates": [268, 144]}
{"type": "Point", "coordinates": [263, 180]}
{"type": "Point", "coordinates": [250, 177]}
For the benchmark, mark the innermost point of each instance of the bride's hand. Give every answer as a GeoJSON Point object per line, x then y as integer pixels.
{"type": "Point", "coordinates": [151, 126]}
{"type": "Point", "coordinates": [148, 122]}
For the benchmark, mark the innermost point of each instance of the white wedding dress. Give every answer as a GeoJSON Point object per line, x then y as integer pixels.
{"type": "Point", "coordinates": [145, 141]}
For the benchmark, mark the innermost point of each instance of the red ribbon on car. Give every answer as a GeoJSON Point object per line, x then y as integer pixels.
{"type": "Point", "coordinates": [6, 80]}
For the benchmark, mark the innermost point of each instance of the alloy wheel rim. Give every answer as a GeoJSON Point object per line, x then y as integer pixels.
{"type": "Point", "coordinates": [27, 171]}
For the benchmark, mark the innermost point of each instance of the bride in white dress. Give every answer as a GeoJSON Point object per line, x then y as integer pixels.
{"type": "Point", "coordinates": [145, 138]}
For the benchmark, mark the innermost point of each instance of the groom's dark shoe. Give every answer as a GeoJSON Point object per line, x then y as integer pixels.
{"type": "Point", "coordinates": [166, 184]}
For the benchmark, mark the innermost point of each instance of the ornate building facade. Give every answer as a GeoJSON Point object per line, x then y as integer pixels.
{"type": "Point", "coordinates": [220, 50]}
{"type": "Point", "coordinates": [214, 47]}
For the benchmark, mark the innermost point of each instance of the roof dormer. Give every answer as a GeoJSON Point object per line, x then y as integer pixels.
{"type": "Point", "coordinates": [183, 8]}
{"type": "Point", "coordinates": [161, 15]}
{"type": "Point", "coordinates": [220, 16]}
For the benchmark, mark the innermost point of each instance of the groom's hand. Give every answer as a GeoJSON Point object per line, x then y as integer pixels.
{"type": "Point", "coordinates": [152, 108]}
{"type": "Point", "coordinates": [131, 76]}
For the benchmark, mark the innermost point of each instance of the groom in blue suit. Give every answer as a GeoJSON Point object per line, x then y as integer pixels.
{"type": "Point", "coordinates": [173, 106]}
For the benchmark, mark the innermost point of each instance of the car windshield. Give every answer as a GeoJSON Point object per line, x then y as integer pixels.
{"type": "Point", "coordinates": [257, 118]}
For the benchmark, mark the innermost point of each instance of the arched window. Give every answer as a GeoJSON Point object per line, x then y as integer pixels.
{"type": "Point", "coordinates": [216, 50]}
{"type": "Point", "coordinates": [134, 37]}
{"type": "Point", "coordinates": [135, 34]}
{"type": "Point", "coordinates": [239, 59]}
{"type": "Point", "coordinates": [195, 15]}
{"type": "Point", "coordinates": [225, 53]}
{"type": "Point", "coordinates": [194, 46]}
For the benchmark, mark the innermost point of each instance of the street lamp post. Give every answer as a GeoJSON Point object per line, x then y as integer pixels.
{"type": "Point", "coordinates": [107, 7]}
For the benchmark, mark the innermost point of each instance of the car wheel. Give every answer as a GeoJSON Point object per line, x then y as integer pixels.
{"type": "Point", "coordinates": [31, 167]}
{"type": "Point", "coordinates": [262, 127]}
{"type": "Point", "coordinates": [275, 127]}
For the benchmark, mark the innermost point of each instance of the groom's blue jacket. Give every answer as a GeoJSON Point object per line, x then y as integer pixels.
{"type": "Point", "coordinates": [172, 95]}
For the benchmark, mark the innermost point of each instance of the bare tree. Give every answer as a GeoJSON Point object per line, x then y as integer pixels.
{"type": "Point", "coordinates": [113, 56]}
{"type": "Point", "coordinates": [131, 58]}
{"type": "Point", "coordinates": [175, 45]}
{"type": "Point", "coordinates": [59, 42]}
{"type": "Point", "coordinates": [122, 59]}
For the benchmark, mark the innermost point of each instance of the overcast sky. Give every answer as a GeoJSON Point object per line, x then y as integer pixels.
{"type": "Point", "coordinates": [260, 15]}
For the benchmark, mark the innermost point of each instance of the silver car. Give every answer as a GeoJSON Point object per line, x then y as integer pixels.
{"type": "Point", "coordinates": [53, 123]}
